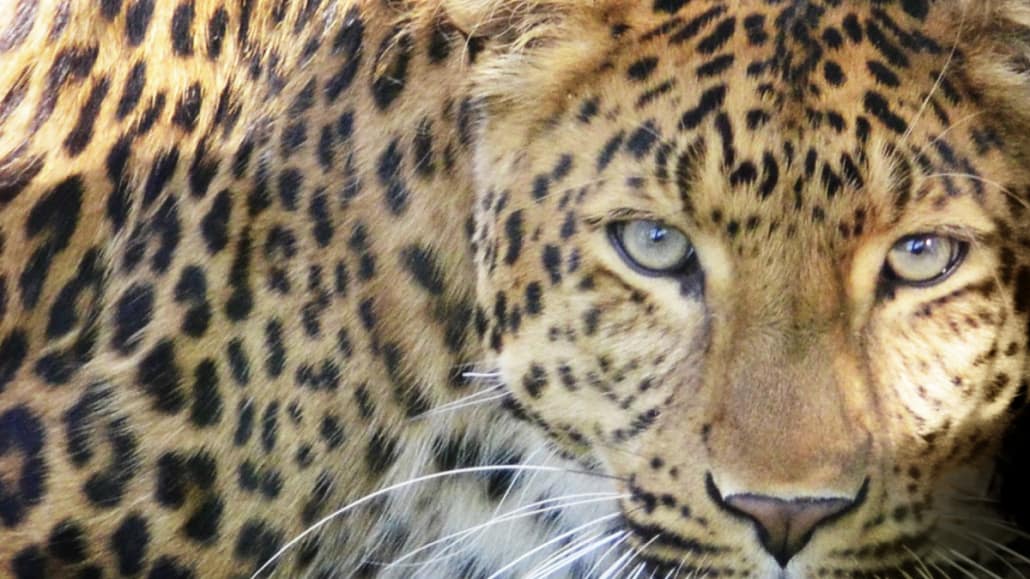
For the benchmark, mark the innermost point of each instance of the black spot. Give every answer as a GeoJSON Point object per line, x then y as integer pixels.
{"type": "Point", "coordinates": [21, 432]}
{"type": "Point", "coordinates": [187, 110]}
{"type": "Point", "coordinates": [533, 298]}
{"type": "Point", "coordinates": [643, 139]}
{"type": "Point", "coordinates": [1022, 291]}
{"type": "Point", "coordinates": [13, 350]}
{"type": "Point", "coordinates": [81, 135]}
{"type": "Point", "coordinates": [853, 28]}
{"type": "Point", "coordinates": [711, 100]}
{"type": "Point", "coordinates": [834, 73]}
{"type": "Point", "coordinates": [669, 6]}
{"type": "Point", "coordinates": [207, 400]}
{"type": "Point", "coordinates": [137, 19]}
{"type": "Point", "coordinates": [692, 28]}
{"type": "Point", "coordinates": [182, 29]}
{"type": "Point", "coordinates": [67, 542]}
{"type": "Point", "coordinates": [215, 225]}
{"type": "Point", "coordinates": [160, 378]}
{"type": "Point", "coordinates": [716, 66]}
{"type": "Point", "coordinates": [381, 452]}
{"type": "Point", "coordinates": [609, 150]}
{"type": "Point", "coordinates": [56, 213]}
{"type": "Point", "coordinates": [513, 231]}
{"type": "Point", "coordinates": [203, 169]}
{"type": "Point", "coordinates": [588, 110]}
{"type": "Point", "coordinates": [719, 37]}
{"type": "Point", "coordinates": [876, 105]}
{"type": "Point", "coordinates": [29, 563]}
{"type": "Point", "coordinates": [422, 263]}
{"type": "Point", "coordinates": [391, 78]}
{"type": "Point", "coordinates": [745, 174]}
{"type": "Point", "coordinates": [332, 432]}
{"type": "Point", "coordinates": [270, 427]}
{"type": "Point", "coordinates": [202, 525]}
{"type": "Point", "coordinates": [257, 541]}
{"type": "Point", "coordinates": [535, 381]}
{"type": "Point", "coordinates": [129, 543]}
{"type": "Point", "coordinates": [893, 53]}
{"type": "Point", "coordinates": [552, 262]}
{"type": "Point", "coordinates": [133, 313]}
{"type": "Point", "coordinates": [275, 361]}
{"type": "Point", "coordinates": [348, 45]}
{"type": "Point", "coordinates": [245, 424]}
{"type": "Point", "coordinates": [109, 9]}
{"type": "Point", "coordinates": [169, 568]}
{"type": "Point", "coordinates": [882, 74]}
{"type": "Point", "coordinates": [216, 32]}
{"type": "Point", "coordinates": [293, 138]}
{"type": "Point", "coordinates": [917, 8]}
{"type": "Point", "coordinates": [241, 300]}
{"type": "Point", "coordinates": [641, 69]}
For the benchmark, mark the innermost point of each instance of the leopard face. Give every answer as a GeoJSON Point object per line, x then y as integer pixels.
{"type": "Point", "coordinates": [771, 287]}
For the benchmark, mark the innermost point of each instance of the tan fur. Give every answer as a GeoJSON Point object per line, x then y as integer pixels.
{"type": "Point", "coordinates": [357, 296]}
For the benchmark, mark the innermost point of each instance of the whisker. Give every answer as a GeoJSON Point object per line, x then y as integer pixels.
{"type": "Point", "coordinates": [991, 522]}
{"type": "Point", "coordinates": [417, 480]}
{"type": "Point", "coordinates": [514, 515]}
{"type": "Point", "coordinates": [995, 548]}
{"type": "Point", "coordinates": [950, 127]}
{"type": "Point", "coordinates": [459, 404]}
{"type": "Point", "coordinates": [980, 179]}
{"type": "Point", "coordinates": [625, 537]}
{"type": "Point", "coordinates": [924, 571]}
{"type": "Point", "coordinates": [570, 554]}
{"type": "Point", "coordinates": [939, 80]}
{"type": "Point", "coordinates": [971, 562]}
{"type": "Point", "coordinates": [556, 539]}
{"type": "Point", "coordinates": [633, 554]}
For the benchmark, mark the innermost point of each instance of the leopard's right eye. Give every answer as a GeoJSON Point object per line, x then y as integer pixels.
{"type": "Point", "coordinates": [924, 259]}
{"type": "Point", "coordinates": [651, 247]}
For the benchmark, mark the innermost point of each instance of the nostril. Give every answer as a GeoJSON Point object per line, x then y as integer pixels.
{"type": "Point", "coordinates": [785, 526]}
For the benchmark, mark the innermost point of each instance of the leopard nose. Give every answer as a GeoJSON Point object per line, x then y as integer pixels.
{"type": "Point", "coordinates": [785, 526]}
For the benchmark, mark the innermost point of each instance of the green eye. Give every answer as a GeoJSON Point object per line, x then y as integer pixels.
{"type": "Point", "coordinates": [652, 247]}
{"type": "Point", "coordinates": [924, 259]}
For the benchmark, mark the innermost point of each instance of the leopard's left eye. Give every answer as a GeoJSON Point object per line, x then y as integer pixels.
{"type": "Point", "coordinates": [924, 259]}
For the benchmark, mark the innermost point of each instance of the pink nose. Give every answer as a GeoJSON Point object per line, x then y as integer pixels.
{"type": "Point", "coordinates": [785, 527]}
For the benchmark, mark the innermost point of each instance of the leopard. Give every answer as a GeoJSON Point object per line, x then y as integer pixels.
{"type": "Point", "coordinates": [513, 288]}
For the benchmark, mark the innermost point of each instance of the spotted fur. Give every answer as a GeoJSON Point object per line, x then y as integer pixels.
{"type": "Point", "coordinates": [264, 260]}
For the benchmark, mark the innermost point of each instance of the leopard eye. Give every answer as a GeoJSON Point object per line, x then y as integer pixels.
{"type": "Point", "coordinates": [924, 259]}
{"type": "Point", "coordinates": [652, 247]}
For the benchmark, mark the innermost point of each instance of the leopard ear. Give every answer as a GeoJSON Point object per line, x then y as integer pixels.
{"type": "Point", "coordinates": [533, 49]}
{"type": "Point", "coordinates": [994, 41]}
{"type": "Point", "coordinates": [502, 20]}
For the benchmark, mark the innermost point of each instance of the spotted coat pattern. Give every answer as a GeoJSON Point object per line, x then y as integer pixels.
{"type": "Point", "coordinates": [263, 260]}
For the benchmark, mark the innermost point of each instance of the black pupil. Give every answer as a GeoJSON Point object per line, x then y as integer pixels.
{"type": "Point", "coordinates": [658, 234]}
{"type": "Point", "coordinates": [920, 246]}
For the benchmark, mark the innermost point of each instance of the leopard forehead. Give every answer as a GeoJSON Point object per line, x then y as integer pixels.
{"type": "Point", "coordinates": [267, 261]}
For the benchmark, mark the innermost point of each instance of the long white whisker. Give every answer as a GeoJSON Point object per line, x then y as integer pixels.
{"type": "Point", "coordinates": [538, 548]}
{"type": "Point", "coordinates": [980, 179]}
{"type": "Point", "coordinates": [458, 405]}
{"type": "Point", "coordinates": [425, 478]}
{"type": "Point", "coordinates": [578, 553]}
{"type": "Point", "coordinates": [969, 561]}
{"type": "Point", "coordinates": [561, 556]}
{"type": "Point", "coordinates": [523, 512]}
{"type": "Point", "coordinates": [625, 537]}
{"type": "Point", "coordinates": [937, 83]}
{"type": "Point", "coordinates": [633, 555]}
